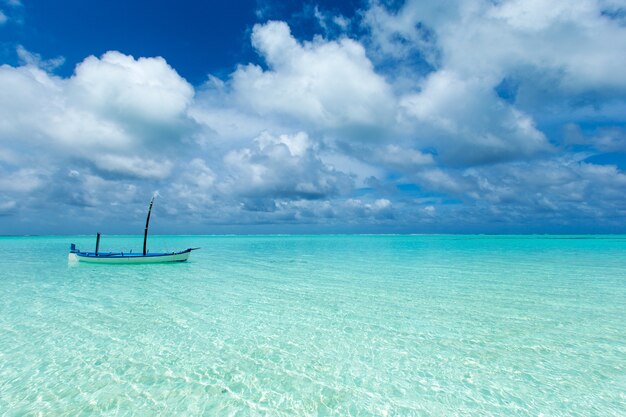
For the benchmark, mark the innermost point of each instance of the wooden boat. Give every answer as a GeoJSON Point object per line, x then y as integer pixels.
{"type": "Point", "coordinates": [128, 257]}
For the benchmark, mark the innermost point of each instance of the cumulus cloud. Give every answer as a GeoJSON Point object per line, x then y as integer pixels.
{"type": "Point", "coordinates": [604, 139]}
{"type": "Point", "coordinates": [109, 108]}
{"type": "Point", "coordinates": [147, 90]}
{"type": "Point", "coordinates": [522, 193]}
{"type": "Point", "coordinates": [134, 166]}
{"type": "Point", "coordinates": [453, 116]}
{"type": "Point", "coordinates": [437, 179]}
{"type": "Point", "coordinates": [479, 37]}
{"type": "Point", "coordinates": [577, 40]}
{"type": "Point", "coordinates": [85, 189]}
{"type": "Point", "coordinates": [326, 83]}
{"type": "Point", "coordinates": [380, 208]}
{"type": "Point", "coordinates": [489, 69]}
{"type": "Point", "coordinates": [284, 166]}
{"type": "Point", "coordinates": [117, 123]}
{"type": "Point", "coordinates": [467, 122]}
{"type": "Point", "coordinates": [24, 180]}
{"type": "Point", "coordinates": [406, 159]}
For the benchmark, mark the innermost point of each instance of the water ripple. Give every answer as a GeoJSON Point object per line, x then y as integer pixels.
{"type": "Point", "coordinates": [299, 326]}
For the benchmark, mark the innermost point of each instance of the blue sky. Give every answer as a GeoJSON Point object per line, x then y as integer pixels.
{"type": "Point", "coordinates": [313, 117]}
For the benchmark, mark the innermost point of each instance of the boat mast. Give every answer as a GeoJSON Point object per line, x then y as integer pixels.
{"type": "Point", "coordinates": [145, 232]}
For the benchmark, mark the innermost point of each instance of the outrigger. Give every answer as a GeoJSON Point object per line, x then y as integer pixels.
{"type": "Point", "coordinates": [128, 257]}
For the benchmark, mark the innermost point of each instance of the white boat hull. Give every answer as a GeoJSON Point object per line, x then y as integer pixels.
{"type": "Point", "coordinates": [129, 258]}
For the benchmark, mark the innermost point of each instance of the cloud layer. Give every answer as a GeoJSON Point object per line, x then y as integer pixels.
{"type": "Point", "coordinates": [459, 116]}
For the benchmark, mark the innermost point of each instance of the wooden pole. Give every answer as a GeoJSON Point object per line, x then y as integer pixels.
{"type": "Point", "coordinates": [145, 232]}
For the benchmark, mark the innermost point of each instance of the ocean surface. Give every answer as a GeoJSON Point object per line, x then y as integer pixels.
{"type": "Point", "coordinates": [316, 326]}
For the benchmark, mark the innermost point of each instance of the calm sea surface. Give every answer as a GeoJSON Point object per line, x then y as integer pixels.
{"type": "Point", "coordinates": [317, 326]}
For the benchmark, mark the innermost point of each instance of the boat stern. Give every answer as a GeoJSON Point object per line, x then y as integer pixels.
{"type": "Point", "coordinates": [72, 257]}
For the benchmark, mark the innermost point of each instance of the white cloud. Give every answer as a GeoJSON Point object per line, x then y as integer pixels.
{"type": "Point", "coordinates": [605, 139]}
{"type": "Point", "coordinates": [354, 166]}
{"type": "Point", "coordinates": [490, 39]}
{"type": "Point", "coordinates": [379, 209]}
{"type": "Point", "coordinates": [112, 112]}
{"type": "Point", "coordinates": [398, 35]}
{"type": "Point", "coordinates": [404, 159]}
{"type": "Point", "coordinates": [103, 104]}
{"type": "Point", "coordinates": [407, 126]}
{"type": "Point", "coordinates": [329, 22]}
{"type": "Point", "coordinates": [436, 179]}
{"type": "Point", "coordinates": [284, 166]}
{"type": "Point", "coordinates": [147, 89]}
{"type": "Point", "coordinates": [551, 53]}
{"type": "Point", "coordinates": [24, 180]}
{"type": "Point", "coordinates": [341, 21]}
{"type": "Point", "coordinates": [297, 144]}
{"type": "Point", "coordinates": [28, 58]}
{"type": "Point", "coordinates": [84, 189]}
{"type": "Point", "coordinates": [326, 83]}
{"type": "Point", "coordinates": [200, 174]}
{"type": "Point", "coordinates": [3, 18]}
{"type": "Point", "coordinates": [469, 122]}
{"type": "Point", "coordinates": [134, 166]}
{"type": "Point", "coordinates": [556, 188]}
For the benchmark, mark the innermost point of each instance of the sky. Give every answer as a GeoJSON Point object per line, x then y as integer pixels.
{"type": "Point", "coordinates": [260, 116]}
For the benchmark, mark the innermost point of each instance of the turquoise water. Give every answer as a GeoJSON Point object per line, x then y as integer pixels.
{"type": "Point", "coordinates": [315, 326]}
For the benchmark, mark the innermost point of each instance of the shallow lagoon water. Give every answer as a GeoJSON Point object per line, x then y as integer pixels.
{"type": "Point", "coordinates": [316, 326]}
